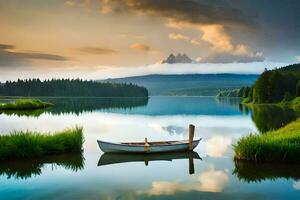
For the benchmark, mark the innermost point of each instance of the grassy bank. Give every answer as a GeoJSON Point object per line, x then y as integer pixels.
{"type": "Point", "coordinates": [25, 104]}
{"type": "Point", "coordinates": [293, 104]}
{"type": "Point", "coordinates": [28, 144]}
{"type": "Point", "coordinates": [282, 145]}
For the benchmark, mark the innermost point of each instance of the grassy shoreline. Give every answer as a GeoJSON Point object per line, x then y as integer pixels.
{"type": "Point", "coordinates": [25, 104]}
{"type": "Point", "coordinates": [20, 144]}
{"type": "Point", "coordinates": [294, 103]}
{"type": "Point", "coordinates": [282, 145]}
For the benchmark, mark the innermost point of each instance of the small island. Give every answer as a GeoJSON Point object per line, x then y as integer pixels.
{"type": "Point", "coordinates": [24, 104]}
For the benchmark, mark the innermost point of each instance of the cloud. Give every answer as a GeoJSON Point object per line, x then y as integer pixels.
{"type": "Point", "coordinates": [105, 9]}
{"type": "Point", "coordinates": [209, 181]}
{"type": "Point", "coordinates": [10, 56]}
{"type": "Point", "coordinates": [69, 3]}
{"type": "Point", "coordinates": [208, 17]}
{"type": "Point", "coordinates": [297, 58]}
{"type": "Point", "coordinates": [222, 48]}
{"type": "Point", "coordinates": [175, 130]}
{"type": "Point", "coordinates": [178, 36]}
{"type": "Point", "coordinates": [199, 12]}
{"type": "Point", "coordinates": [77, 3]}
{"type": "Point", "coordinates": [213, 180]}
{"type": "Point", "coordinates": [215, 35]}
{"type": "Point", "coordinates": [227, 57]}
{"type": "Point", "coordinates": [217, 146]}
{"type": "Point", "coordinates": [296, 185]}
{"type": "Point", "coordinates": [96, 50]}
{"type": "Point", "coordinates": [140, 47]}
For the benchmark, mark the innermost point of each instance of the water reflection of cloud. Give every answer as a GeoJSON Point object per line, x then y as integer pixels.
{"type": "Point", "coordinates": [209, 181]}
{"type": "Point", "coordinates": [204, 132]}
{"type": "Point", "coordinates": [213, 180]}
{"type": "Point", "coordinates": [175, 130]}
{"type": "Point", "coordinates": [296, 185]}
{"type": "Point", "coordinates": [217, 146]}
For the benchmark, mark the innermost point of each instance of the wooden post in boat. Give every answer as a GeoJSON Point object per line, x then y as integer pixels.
{"type": "Point", "coordinates": [147, 145]}
{"type": "Point", "coordinates": [191, 136]}
{"type": "Point", "coordinates": [191, 163]}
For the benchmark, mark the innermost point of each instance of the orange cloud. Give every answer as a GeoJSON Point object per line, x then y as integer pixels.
{"type": "Point", "coordinates": [222, 48]}
{"type": "Point", "coordinates": [178, 36]}
{"type": "Point", "coordinates": [140, 47]}
{"type": "Point", "coordinates": [96, 50]}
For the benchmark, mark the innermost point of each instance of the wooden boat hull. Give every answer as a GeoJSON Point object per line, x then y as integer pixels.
{"type": "Point", "coordinates": [154, 147]}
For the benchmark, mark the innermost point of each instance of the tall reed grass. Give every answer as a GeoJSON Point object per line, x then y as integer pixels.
{"type": "Point", "coordinates": [20, 144]}
{"type": "Point", "coordinates": [282, 145]}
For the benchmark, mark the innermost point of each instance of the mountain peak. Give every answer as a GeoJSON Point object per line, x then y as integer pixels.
{"type": "Point", "coordinates": [179, 58]}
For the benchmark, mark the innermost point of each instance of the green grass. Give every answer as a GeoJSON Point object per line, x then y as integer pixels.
{"type": "Point", "coordinates": [25, 104]}
{"type": "Point", "coordinates": [282, 145]}
{"type": "Point", "coordinates": [19, 144]}
{"type": "Point", "coordinates": [294, 104]}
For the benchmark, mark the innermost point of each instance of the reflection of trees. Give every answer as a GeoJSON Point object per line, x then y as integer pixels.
{"type": "Point", "coordinates": [271, 117]}
{"type": "Point", "coordinates": [257, 172]}
{"type": "Point", "coordinates": [27, 113]}
{"type": "Point", "coordinates": [244, 109]}
{"type": "Point", "coordinates": [23, 169]}
{"type": "Point", "coordinates": [79, 105]}
{"type": "Point", "coordinates": [233, 102]}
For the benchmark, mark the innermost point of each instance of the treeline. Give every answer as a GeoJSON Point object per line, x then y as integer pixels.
{"type": "Point", "coordinates": [272, 86]}
{"type": "Point", "coordinates": [70, 88]}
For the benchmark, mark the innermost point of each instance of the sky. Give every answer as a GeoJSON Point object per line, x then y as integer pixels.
{"type": "Point", "coordinates": [97, 39]}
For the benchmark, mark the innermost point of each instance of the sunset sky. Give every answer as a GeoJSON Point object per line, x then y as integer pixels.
{"type": "Point", "coordinates": [97, 39]}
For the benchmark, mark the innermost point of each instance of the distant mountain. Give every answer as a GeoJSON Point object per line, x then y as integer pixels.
{"type": "Point", "coordinates": [189, 84]}
{"type": "Point", "coordinates": [180, 58]}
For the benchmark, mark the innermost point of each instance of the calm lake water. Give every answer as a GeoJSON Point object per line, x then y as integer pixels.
{"type": "Point", "coordinates": [212, 174]}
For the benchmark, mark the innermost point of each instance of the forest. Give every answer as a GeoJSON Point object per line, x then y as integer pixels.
{"type": "Point", "coordinates": [70, 88]}
{"type": "Point", "coordinates": [277, 85]}
{"type": "Point", "coordinates": [272, 86]}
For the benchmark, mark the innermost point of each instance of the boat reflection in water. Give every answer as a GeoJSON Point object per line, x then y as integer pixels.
{"type": "Point", "coordinates": [117, 158]}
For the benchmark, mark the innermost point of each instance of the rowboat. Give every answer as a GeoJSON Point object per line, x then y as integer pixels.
{"type": "Point", "coordinates": [151, 147]}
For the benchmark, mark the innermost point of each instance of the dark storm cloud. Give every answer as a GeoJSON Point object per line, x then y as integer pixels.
{"type": "Point", "coordinates": [272, 26]}
{"type": "Point", "coordinates": [194, 11]}
{"type": "Point", "coordinates": [96, 50]}
{"type": "Point", "coordinates": [10, 57]}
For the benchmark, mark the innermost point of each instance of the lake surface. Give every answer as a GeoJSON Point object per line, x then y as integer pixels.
{"type": "Point", "coordinates": [94, 175]}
